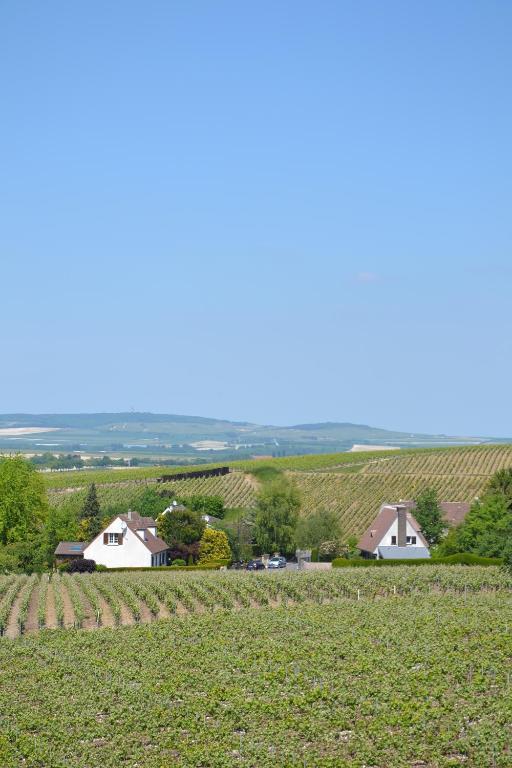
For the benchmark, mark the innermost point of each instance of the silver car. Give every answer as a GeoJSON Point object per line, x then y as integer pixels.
{"type": "Point", "coordinates": [277, 562]}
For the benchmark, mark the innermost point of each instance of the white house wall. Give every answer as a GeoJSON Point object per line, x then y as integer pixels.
{"type": "Point", "coordinates": [132, 553]}
{"type": "Point", "coordinates": [393, 531]}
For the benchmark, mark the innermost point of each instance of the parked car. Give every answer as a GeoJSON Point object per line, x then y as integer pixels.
{"type": "Point", "coordinates": [277, 562]}
{"type": "Point", "coordinates": [255, 565]}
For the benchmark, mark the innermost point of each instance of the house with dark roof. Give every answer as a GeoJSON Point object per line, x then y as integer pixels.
{"type": "Point", "coordinates": [70, 550]}
{"type": "Point", "coordinates": [395, 533]}
{"type": "Point", "coordinates": [383, 538]}
{"type": "Point", "coordinates": [129, 541]}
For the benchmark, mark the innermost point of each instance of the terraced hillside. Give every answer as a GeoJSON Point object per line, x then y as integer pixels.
{"type": "Point", "coordinates": [353, 485]}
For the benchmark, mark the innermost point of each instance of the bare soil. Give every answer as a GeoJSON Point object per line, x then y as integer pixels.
{"type": "Point", "coordinates": [69, 614]}
{"type": "Point", "coordinates": [13, 629]}
{"type": "Point", "coordinates": [51, 616]}
{"type": "Point", "coordinates": [32, 624]}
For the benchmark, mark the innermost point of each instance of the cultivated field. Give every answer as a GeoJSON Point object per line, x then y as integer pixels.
{"type": "Point", "coordinates": [32, 603]}
{"type": "Point", "coordinates": [353, 485]}
{"type": "Point", "coordinates": [416, 679]}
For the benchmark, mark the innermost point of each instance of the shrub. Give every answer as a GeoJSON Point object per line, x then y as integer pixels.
{"type": "Point", "coordinates": [82, 565]}
{"type": "Point", "coordinates": [459, 559]}
{"type": "Point", "coordinates": [178, 561]}
{"type": "Point", "coordinates": [213, 546]}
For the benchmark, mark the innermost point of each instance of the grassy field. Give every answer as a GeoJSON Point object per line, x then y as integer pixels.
{"type": "Point", "coordinates": [353, 485]}
{"type": "Point", "coordinates": [421, 678]}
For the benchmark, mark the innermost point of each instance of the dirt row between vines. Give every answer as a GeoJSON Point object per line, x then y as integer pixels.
{"type": "Point", "coordinates": [107, 616]}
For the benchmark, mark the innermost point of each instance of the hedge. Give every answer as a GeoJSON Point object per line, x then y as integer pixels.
{"type": "Point", "coordinates": [205, 567]}
{"type": "Point", "coordinates": [464, 558]}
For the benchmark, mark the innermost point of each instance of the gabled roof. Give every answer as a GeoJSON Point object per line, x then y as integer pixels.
{"type": "Point", "coordinates": [142, 522]}
{"type": "Point", "coordinates": [403, 553]}
{"type": "Point", "coordinates": [154, 543]}
{"type": "Point", "coordinates": [137, 523]}
{"type": "Point", "coordinates": [373, 535]}
{"type": "Point", "coordinates": [454, 512]}
{"type": "Point", "coordinates": [70, 548]}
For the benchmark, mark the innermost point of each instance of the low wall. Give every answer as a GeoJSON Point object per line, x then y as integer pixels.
{"type": "Point", "coordinates": [316, 566]}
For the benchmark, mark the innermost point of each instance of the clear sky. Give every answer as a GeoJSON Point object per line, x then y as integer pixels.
{"type": "Point", "coordinates": [279, 211]}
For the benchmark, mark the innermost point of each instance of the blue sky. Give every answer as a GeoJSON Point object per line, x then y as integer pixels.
{"type": "Point", "coordinates": [279, 211]}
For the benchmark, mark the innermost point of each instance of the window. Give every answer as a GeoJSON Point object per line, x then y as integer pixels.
{"type": "Point", "coordinates": [411, 540]}
{"type": "Point", "coordinates": [113, 538]}
{"type": "Point", "coordinates": [393, 540]}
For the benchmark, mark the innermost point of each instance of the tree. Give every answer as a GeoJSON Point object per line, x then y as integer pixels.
{"type": "Point", "coordinates": [207, 505]}
{"type": "Point", "coordinates": [90, 515]}
{"type": "Point", "coordinates": [487, 528]}
{"type": "Point", "coordinates": [61, 525]}
{"type": "Point", "coordinates": [23, 500]}
{"type": "Point", "coordinates": [318, 527]}
{"type": "Point", "coordinates": [429, 516]}
{"type": "Point", "coordinates": [180, 525]}
{"type": "Point", "coordinates": [277, 511]}
{"type": "Point", "coordinates": [213, 546]}
{"type": "Point", "coordinates": [151, 504]}
{"type": "Point", "coordinates": [500, 484]}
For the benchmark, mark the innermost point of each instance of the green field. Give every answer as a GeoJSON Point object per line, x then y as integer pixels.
{"type": "Point", "coordinates": [352, 484]}
{"type": "Point", "coordinates": [31, 603]}
{"type": "Point", "coordinates": [416, 672]}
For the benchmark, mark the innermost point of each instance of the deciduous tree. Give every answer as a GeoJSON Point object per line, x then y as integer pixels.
{"type": "Point", "coordinates": [429, 515]}
{"type": "Point", "coordinates": [23, 500]}
{"type": "Point", "coordinates": [277, 511]}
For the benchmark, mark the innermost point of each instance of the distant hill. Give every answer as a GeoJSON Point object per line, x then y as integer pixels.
{"type": "Point", "coordinates": [196, 438]}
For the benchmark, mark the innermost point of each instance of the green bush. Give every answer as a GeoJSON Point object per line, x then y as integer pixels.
{"type": "Point", "coordinates": [178, 561]}
{"type": "Point", "coordinates": [459, 559]}
{"type": "Point", "coordinates": [154, 568]}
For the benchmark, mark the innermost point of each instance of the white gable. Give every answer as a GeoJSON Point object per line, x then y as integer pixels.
{"type": "Point", "coordinates": [411, 533]}
{"type": "Point", "coordinates": [132, 553]}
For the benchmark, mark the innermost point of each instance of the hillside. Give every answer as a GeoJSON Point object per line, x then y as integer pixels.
{"type": "Point", "coordinates": [192, 439]}
{"type": "Point", "coordinates": [353, 485]}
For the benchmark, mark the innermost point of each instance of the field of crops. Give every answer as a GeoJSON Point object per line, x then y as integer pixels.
{"type": "Point", "coordinates": [79, 478]}
{"type": "Point", "coordinates": [353, 485]}
{"type": "Point", "coordinates": [28, 604]}
{"type": "Point", "coordinates": [236, 489]}
{"type": "Point", "coordinates": [458, 474]}
{"type": "Point", "coordinates": [415, 681]}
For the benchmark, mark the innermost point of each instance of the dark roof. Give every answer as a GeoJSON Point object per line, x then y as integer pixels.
{"type": "Point", "coordinates": [372, 537]}
{"type": "Point", "coordinates": [403, 553]}
{"type": "Point", "coordinates": [454, 512]}
{"type": "Point", "coordinates": [137, 523]}
{"type": "Point", "coordinates": [142, 522]}
{"type": "Point", "coordinates": [70, 548]}
{"type": "Point", "coordinates": [154, 543]}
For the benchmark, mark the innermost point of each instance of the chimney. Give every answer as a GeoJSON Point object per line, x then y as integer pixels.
{"type": "Point", "coordinates": [401, 516]}
{"type": "Point", "coordinates": [129, 514]}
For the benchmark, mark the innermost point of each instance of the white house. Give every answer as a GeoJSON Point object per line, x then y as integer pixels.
{"type": "Point", "coordinates": [129, 541]}
{"type": "Point", "coordinates": [394, 533]}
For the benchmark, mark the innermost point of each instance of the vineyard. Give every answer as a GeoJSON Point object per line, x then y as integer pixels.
{"type": "Point", "coordinates": [28, 604]}
{"type": "Point", "coordinates": [236, 490]}
{"type": "Point", "coordinates": [419, 679]}
{"type": "Point", "coordinates": [353, 485]}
